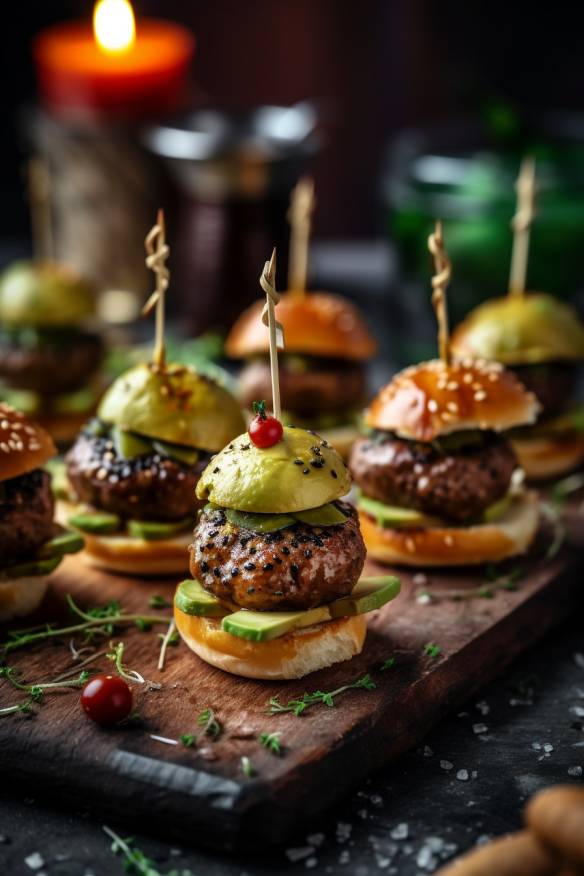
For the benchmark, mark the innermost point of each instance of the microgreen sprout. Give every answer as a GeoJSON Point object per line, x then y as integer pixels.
{"type": "Point", "coordinates": [117, 657]}
{"type": "Point", "coordinates": [271, 741]}
{"type": "Point", "coordinates": [319, 697]}
{"type": "Point", "coordinates": [36, 691]}
{"type": "Point", "coordinates": [247, 767]}
{"type": "Point", "coordinates": [136, 861]}
{"type": "Point", "coordinates": [387, 664]}
{"type": "Point", "coordinates": [24, 707]}
{"type": "Point", "coordinates": [165, 642]}
{"type": "Point", "coordinates": [189, 740]}
{"type": "Point", "coordinates": [432, 650]}
{"type": "Point", "coordinates": [209, 723]}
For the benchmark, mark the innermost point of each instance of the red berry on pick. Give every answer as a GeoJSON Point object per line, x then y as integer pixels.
{"type": "Point", "coordinates": [264, 430]}
{"type": "Point", "coordinates": [106, 699]}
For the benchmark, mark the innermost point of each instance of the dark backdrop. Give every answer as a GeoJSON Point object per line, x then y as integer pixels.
{"type": "Point", "coordinates": [376, 66]}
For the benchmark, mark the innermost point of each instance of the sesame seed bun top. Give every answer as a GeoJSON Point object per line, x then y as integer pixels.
{"type": "Point", "coordinates": [432, 399]}
{"type": "Point", "coordinates": [315, 324]}
{"type": "Point", "coordinates": [24, 446]}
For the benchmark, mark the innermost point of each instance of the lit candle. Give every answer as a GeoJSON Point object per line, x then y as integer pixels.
{"type": "Point", "coordinates": [120, 69]}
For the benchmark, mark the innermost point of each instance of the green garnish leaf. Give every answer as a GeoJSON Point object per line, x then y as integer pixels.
{"type": "Point", "coordinates": [188, 740]}
{"type": "Point", "coordinates": [387, 664]}
{"type": "Point", "coordinates": [209, 723]}
{"type": "Point", "coordinates": [432, 650]}
{"type": "Point", "coordinates": [247, 767]}
{"type": "Point", "coordinates": [299, 706]}
{"type": "Point", "coordinates": [259, 408]}
{"type": "Point", "coordinates": [271, 741]}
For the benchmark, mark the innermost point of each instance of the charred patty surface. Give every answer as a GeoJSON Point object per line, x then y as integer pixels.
{"type": "Point", "coordinates": [552, 383]}
{"type": "Point", "coordinates": [292, 569]}
{"type": "Point", "coordinates": [153, 487]}
{"type": "Point", "coordinates": [26, 515]}
{"type": "Point", "coordinates": [457, 485]}
{"type": "Point", "coordinates": [54, 363]}
{"type": "Point", "coordinates": [328, 387]}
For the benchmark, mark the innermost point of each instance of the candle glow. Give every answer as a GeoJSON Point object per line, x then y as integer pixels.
{"type": "Point", "coordinates": [114, 27]}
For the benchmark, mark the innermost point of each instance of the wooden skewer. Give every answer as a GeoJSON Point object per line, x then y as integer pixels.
{"type": "Point", "coordinates": [440, 281]}
{"type": "Point", "coordinates": [39, 193]}
{"type": "Point", "coordinates": [521, 225]}
{"type": "Point", "coordinates": [268, 284]}
{"type": "Point", "coordinates": [302, 205]}
{"type": "Point", "coordinates": [157, 253]}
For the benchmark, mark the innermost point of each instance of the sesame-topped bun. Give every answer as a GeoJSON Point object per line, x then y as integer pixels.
{"type": "Point", "coordinates": [432, 399]}
{"type": "Point", "coordinates": [521, 330]}
{"type": "Point", "coordinates": [316, 324]}
{"type": "Point", "coordinates": [24, 446]}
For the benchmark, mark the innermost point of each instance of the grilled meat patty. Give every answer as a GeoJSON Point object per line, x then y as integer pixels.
{"type": "Point", "coordinates": [552, 383]}
{"type": "Point", "coordinates": [26, 515]}
{"type": "Point", "coordinates": [49, 362]}
{"type": "Point", "coordinates": [292, 569]}
{"type": "Point", "coordinates": [329, 385]}
{"type": "Point", "coordinates": [457, 485]}
{"type": "Point", "coordinates": [153, 487]}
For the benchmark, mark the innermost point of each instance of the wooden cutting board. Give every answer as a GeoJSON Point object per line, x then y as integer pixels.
{"type": "Point", "coordinates": [200, 795]}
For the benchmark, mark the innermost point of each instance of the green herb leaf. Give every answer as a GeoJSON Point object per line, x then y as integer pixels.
{"type": "Point", "coordinates": [259, 408]}
{"type": "Point", "coordinates": [387, 664]}
{"type": "Point", "coordinates": [271, 741]}
{"type": "Point", "coordinates": [299, 706]}
{"type": "Point", "coordinates": [188, 740]}
{"type": "Point", "coordinates": [432, 650]}
{"type": "Point", "coordinates": [247, 767]}
{"type": "Point", "coordinates": [209, 723]}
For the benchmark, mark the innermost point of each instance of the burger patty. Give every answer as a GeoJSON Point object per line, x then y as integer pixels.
{"type": "Point", "coordinates": [290, 570]}
{"type": "Point", "coordinates": [51, 362]}
{"type": "Point", "coordinates": [457, 485]}
{"type": "Point", "coordinates": [552, 383]}
{"type": "Point", "coordinates": [153, 487]}
{"type": "Point", "coordinates": [332, 386]}
{"type": "Point", "coordinates": [26, 515]}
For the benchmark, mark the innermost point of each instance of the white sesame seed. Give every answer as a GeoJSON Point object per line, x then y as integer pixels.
{"type": "Point", "coordinates": [480, 396]}
{"type": "Point", "coordinates": [101, 474]}
{"type": "Point", "coordinates": [410, 545]}
{"type": "Point", "coordinates": [452, 385]}
{"type": "Point", "coordinates": [467, 378]}
{"type": "Point", "coordinates": [452, 406]}
{"type": "Point", "coordinates": [432, 405]}
{"type": "Point", "coordinates": [448, 540]}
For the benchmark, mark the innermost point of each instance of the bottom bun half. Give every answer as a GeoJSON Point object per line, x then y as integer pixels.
{"type": "Point", "coordinates": [547, 457]}
{"type": "Point", "coordinates": [292, 656]}
{"type": "Point", "coordinates": [135, 556]}
{"type": "Point", "coordinates": [511, 534]}
{"type": "Point", "coordinates": [21, 596]}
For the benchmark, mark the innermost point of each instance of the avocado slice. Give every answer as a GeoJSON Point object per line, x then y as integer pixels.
{"type": "Point", "coordinates": [129, 445]}
{"type": "Point", "coordinates": [326, 515]}
{"type": "Point", "coordinates": [178, 452]}
{"type": "Point", "coordinates": [33, 567]}
{"type": "Point", "coordinates": [259, 522]}
{"type": "Point", "coordinates": [64, 543]}
{"type": "Point", "coordinates": [98, 522]}
{"type": "Point", "coordinates": [262, 626]}
{"type": "Point", "coordinates": [192, 598]}
{"type": "Point", "coordinates": [393, 516]}
{"type": "Point", "coordinates": [152, 530]}
{"type": "Point", "coordinates": [367, 595]}
{"type": "Point", "coordinates": [497, 509]}
{"type": "Point", "coordinates": [59, 480]}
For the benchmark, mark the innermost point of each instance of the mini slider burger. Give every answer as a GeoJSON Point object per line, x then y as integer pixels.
{"type": "Point", "coordinates": [323, 379]}
{"type": "Point", "coordinates": [541, 339]}
{"type": "Point", "coordinates": [31, 544]}
{"type": "Point", "coordinates": [134, 468]}
{"type": "Point", "coordinates": [439, 480]}
{"type": "Point", "coordinates": [50, 356]}
{"type": "Point", "coordinates": [276, 555]}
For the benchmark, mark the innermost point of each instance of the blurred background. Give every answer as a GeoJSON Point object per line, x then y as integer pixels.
{"type": "Point", "coordinates": [402, 110]}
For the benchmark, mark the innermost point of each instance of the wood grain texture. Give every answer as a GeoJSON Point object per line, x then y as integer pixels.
{"type": "Point", "coordinates": [201, 795]}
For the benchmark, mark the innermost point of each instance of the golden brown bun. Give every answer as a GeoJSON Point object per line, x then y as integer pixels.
{"type": "Point", "coordinates": [511, 534]}
{"type": "Point", "coordinates": [24, 446]}
{"type": "Point", "coordinates": [433, 399]}
{"type": "Point", "coordinates": [134, 556]}
{"type": "Point", "coordinates": [316, 324]}
{"type": "Point", "coordinates": [21, 596]}
{"type": "Point", "coordinates": [292, 656]}
{"type": "Point", "coordinates": [550, 456]}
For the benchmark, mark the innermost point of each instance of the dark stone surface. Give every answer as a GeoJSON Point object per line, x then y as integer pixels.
{"type": "Point", "coordinates": [538, 704]}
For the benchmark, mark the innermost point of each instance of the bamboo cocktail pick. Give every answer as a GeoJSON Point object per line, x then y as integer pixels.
{"type": "Point", "coordinates": [521, 225]}
{"type": "Point", "coordinates": [268, 284]}
{"type": "Point", "coordinates": [157, 254]}
{"type": "Point", "coordinates": [299, 216]}
{"type": "Point", "coordinates": [440, 281]}
{"type": "Point", "coordinates": [39, 194]}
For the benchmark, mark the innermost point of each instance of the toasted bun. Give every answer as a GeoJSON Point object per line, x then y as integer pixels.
{"type": "Point", "coordinates": [135, 556]}
{"type": "Point", "coordinates": [511, 534]}
{"type": "Point", "coordinates": [292, 656]}
{"type": "Point", "coordinates": [23, 445]}
{"type": "Point", "coordinates": [432, 399]}
{"type": "Point", "coordinates": [318, 324]}
{"type": "Point", "coordinates": [21, 596]}
{"type": "Point", "coordinates": [550, 456]}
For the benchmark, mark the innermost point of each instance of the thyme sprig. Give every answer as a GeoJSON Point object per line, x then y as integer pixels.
{"type": "Point", "coordinates": [25, 706]}
{"type": "Point", "coordinates": [319, 697]}
{"type": "Point", "coordinates": [98, 621]}
{"type": "Point", "coordinates": [211, 726]}
{"type": "Point", "coordinates": [271, 741]}
{"type": "Point", "coordinates": [36, 691]}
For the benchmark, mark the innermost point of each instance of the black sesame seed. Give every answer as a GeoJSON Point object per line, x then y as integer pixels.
{"type": "Point", "coordinates": [317, 541]}
{"type": "Point", "coordinates": [268, 567]}
{"type": "Point", "coordinates": [294, 571]}
{"type": "Point", "coordinates": [225, 540]}
{"type": "Point", "coordinates": [217, 572]}
{"type": "Point", "coordinates": [234, 572]}
{"type": "Point", "coordinates": [298, 462]}
{"type": "Point", "coordinates": [295, 543]}
{"type": "Point", "coordinates": [204, 566]}
{"type": "Point", "coordinates": [216, 469]}
{"type": "Point", "coordinates": [249, 567]}
{"type": "Point", "coordinates": [210, 545]}
{"type": "Point", "coordinates": [253, 550]}
{"type": "Point", "coordinates": [317, 463]}
{"type": "Point", "coordinates": [308, 554]}
{"type": "Point", "coordinates": [243, 542]}
{"type": "Point", "coordinates": [214, 534]}
{"type": "Point", "coordinates": [278, 592]}
{"type": "Point", "coordinates": [305, 471]}
{"type": "Point", "coordinates": [316, 450]}
{"type": "Point", "coordinates": [286, 551]}
{"type": "Point", "coordinates": [334, 474]}
{"type": "Point", "coordinates": [251, 589]}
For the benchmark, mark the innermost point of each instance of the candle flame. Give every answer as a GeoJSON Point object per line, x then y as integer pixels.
{"type": "Point", "coordinates": [114, 27]}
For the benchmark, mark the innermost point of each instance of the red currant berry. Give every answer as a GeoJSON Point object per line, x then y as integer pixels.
{"type": "Point", "coordinates": [264, 430]}
{"type": "Point", "coordinates": [106, 699]}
